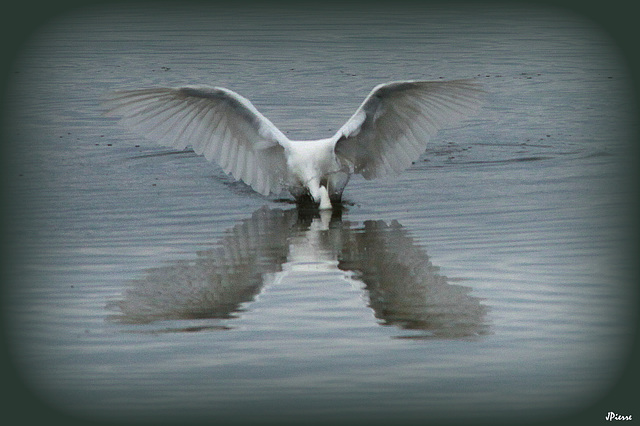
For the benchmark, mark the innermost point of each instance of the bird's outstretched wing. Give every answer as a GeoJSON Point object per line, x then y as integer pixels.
{"type": "Point", "coordinates": [394, 123]}
{"type": "Point", "coordinates": [218, 123]}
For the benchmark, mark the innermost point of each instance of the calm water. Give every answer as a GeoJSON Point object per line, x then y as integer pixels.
{"type": "Point", "coordinates": [490, 281]}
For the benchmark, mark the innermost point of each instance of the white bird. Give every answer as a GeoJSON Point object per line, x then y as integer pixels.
{"type": "Point", "coordinates": [387, 133]}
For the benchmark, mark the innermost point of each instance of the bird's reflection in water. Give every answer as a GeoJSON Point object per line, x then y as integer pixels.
{"type": "Point", "coordinates": [404, 289]}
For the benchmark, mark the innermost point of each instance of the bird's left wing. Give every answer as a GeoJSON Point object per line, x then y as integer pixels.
{"type": "Point", "coordinates": [394, 123]}
{"type": "Point", "coordinates": [218, 123]}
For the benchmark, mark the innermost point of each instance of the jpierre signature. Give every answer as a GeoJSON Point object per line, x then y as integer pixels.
{"type": "Point", "coordinates": [611, 416]}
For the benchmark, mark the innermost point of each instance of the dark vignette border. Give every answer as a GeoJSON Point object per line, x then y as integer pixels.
{"type": "Point", "coordinates": [19, 21]}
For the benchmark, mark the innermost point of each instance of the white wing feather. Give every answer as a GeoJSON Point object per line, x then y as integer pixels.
{"type": "Point", "coordinates": [218, 123]}
{"type": "Point", "coordinates": [394, 123]}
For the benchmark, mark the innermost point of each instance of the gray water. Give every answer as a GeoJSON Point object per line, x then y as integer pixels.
{"type": "Point", "coordinates": [493, 280]}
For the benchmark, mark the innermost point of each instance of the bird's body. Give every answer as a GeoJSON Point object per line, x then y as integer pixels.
{"type": "Point", "coordinates": [386, 134]}
{"type": "Point", "coordinates": [313, 165]}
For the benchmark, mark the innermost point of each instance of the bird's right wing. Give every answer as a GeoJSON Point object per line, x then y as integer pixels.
{"type": "Point", "coordinates": [394, 123]}
{"type": "Point", "coordinates": [218, 123]}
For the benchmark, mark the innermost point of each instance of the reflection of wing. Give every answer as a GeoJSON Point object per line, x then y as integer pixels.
{"type": "Point", "coordinates": [218, 281]}
{"type": "Point", "coordinates": [404, 288]}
